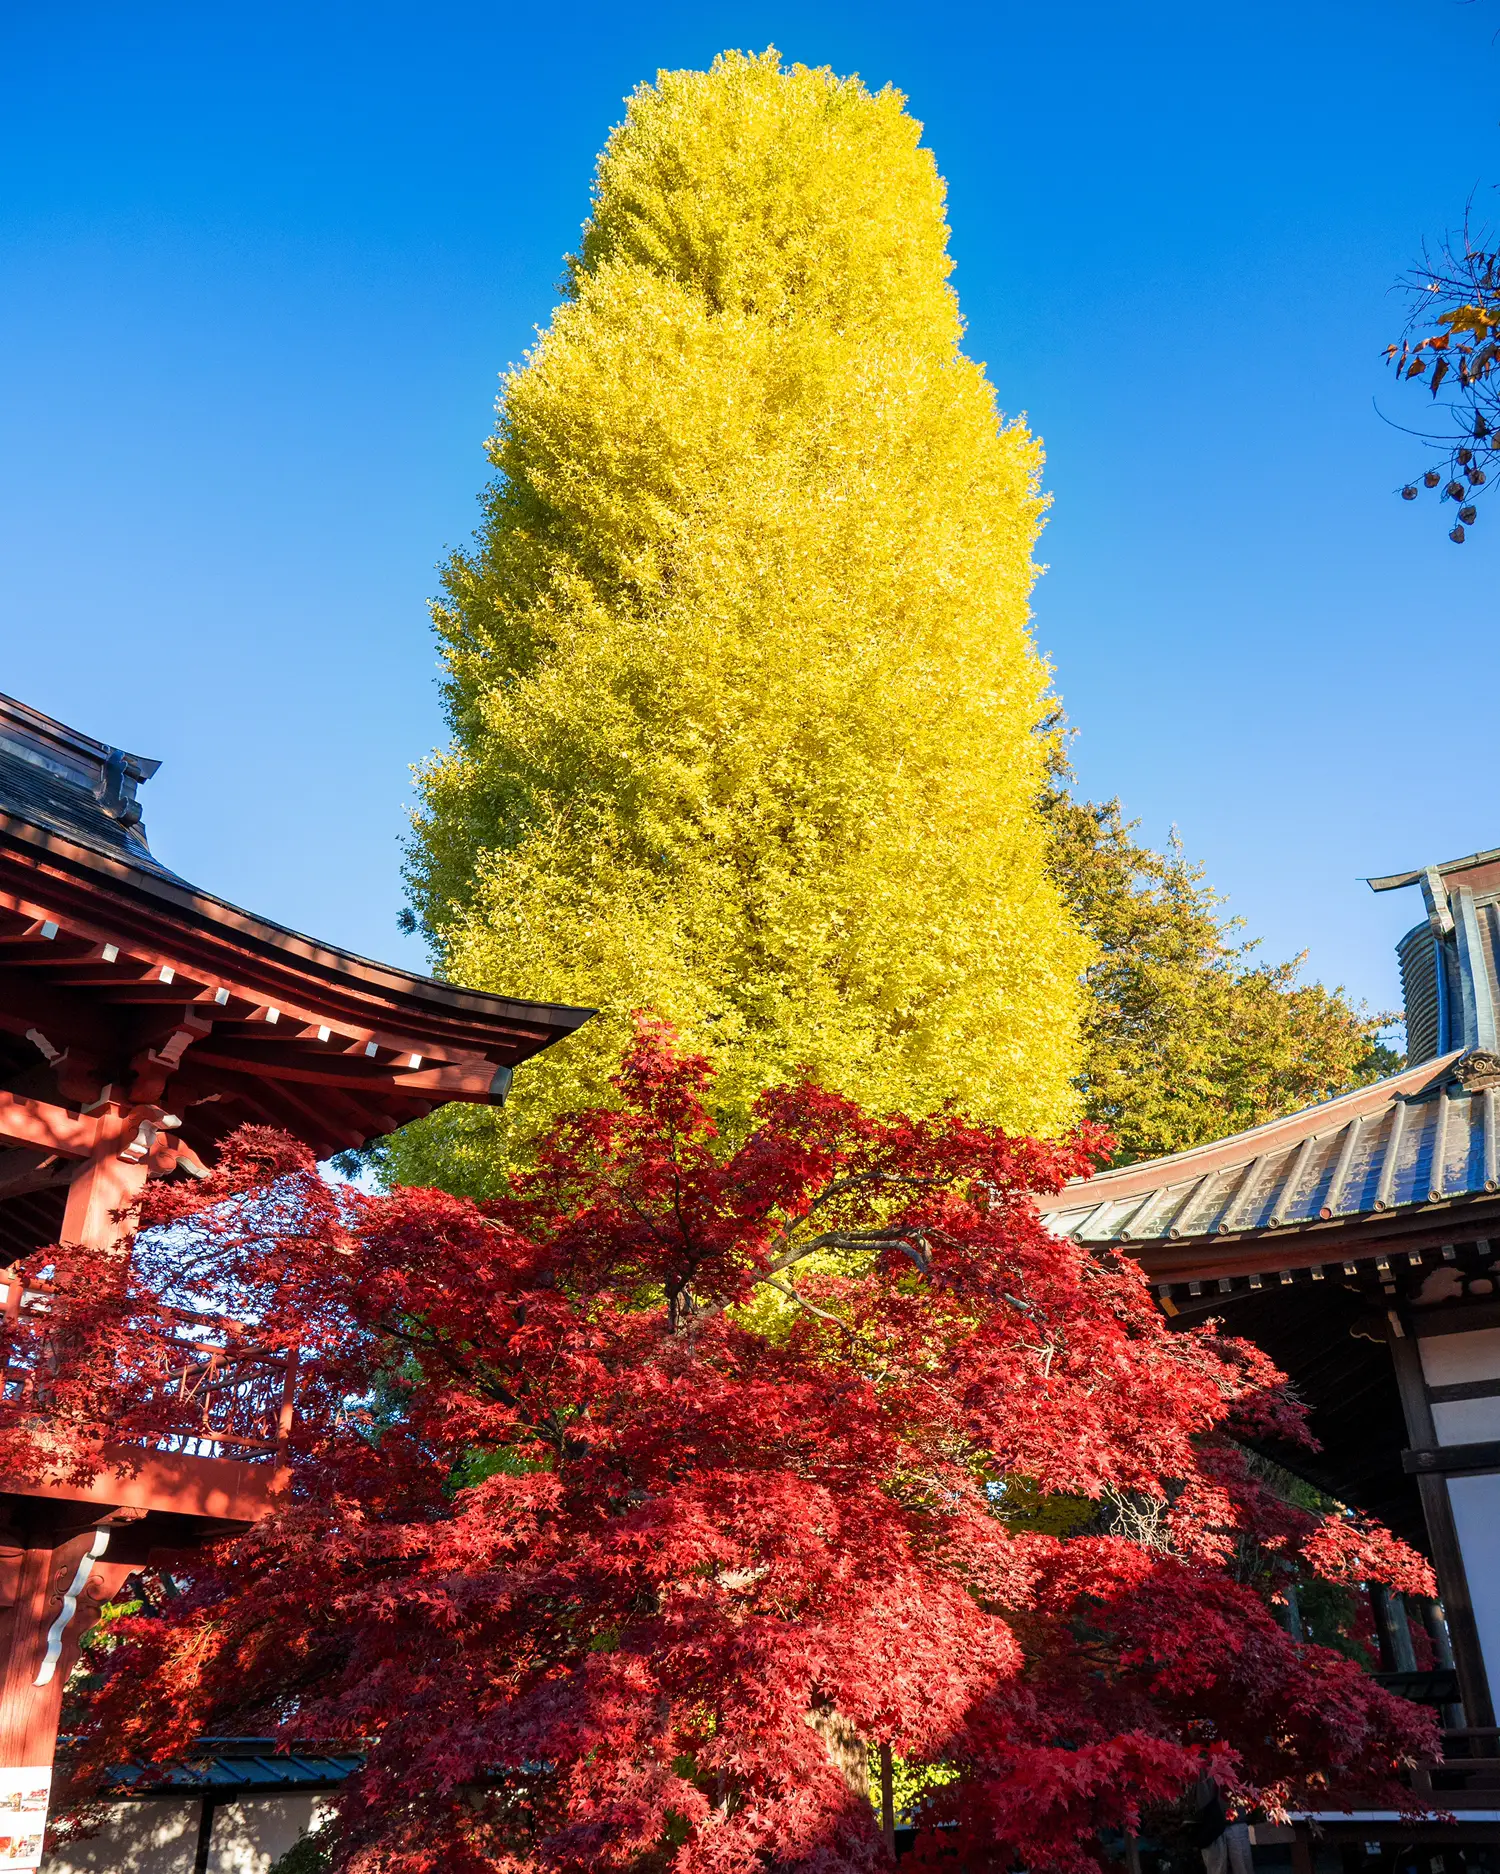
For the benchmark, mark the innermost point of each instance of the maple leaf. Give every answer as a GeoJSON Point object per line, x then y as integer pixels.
{"type": "Point", "coordinates": [623, 1513]}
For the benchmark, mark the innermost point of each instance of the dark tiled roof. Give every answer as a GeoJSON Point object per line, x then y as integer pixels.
{"type": "Point", "coordinates": [1427, 1136]}
{"type": "Point", "coordinates": [35, 794]}
{"type": "Point", "coordinates": [62, 781]}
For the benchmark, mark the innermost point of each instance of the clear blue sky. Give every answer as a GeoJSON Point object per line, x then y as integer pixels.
{"type": "Point", "coordinates": [262, 265]}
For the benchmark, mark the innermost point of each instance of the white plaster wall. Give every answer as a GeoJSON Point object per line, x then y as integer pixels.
{"type": "Point", "coordinates": [1476, 1512]}
{"type": "Point", "coordinates": [1466, 1421]}
{"type": "Point", "coordinates": [249, 1837]}
{"type": "Point", "coordinates": [159, 1836]}
{"type": "Point", "coordinates": [1455, 1359]}
{"type": "Point", "coordinates": [1458, 1360]}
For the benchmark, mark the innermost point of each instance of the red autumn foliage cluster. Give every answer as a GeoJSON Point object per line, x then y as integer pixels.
{"type": "Point", "coordinates": [622, 1514]}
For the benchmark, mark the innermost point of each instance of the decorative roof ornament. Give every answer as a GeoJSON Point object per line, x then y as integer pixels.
{"type": "Point", "coordinates": [1450, 963]}
{"type": "Point", "coordinates": [73, 783]}
{"type": "Point", "coordinates": [1477, 1069]}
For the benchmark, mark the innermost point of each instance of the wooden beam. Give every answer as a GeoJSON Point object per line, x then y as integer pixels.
{"type": "Point", "coordinates": [317, 1122]}
{"type": "Point", "coordinates": [261, 1098]}
{"type": "Point", "coordinates": [30, 952]}
{"type": "Point", "coordinates": [257, 1039]}
{"type": "Point", "coordinates": [101, 1188]}
{"type": "Point", "coordinates": [33, 1215]}
{"type": "Point", "coordinates": [146, 992]}
{"type": "Point", "coordinates": [254, 963]}
{"type": "Point", "coordinates": [476, 1082]}
{"type": "Point", "coordinates": [22, 1180]}
{"type": "Point", "coordinates": [1342, 1239]}
{"type": "Point", "coordinates": [67, 1020]}
{"type": "Point", "coordinates": [53, 1128]}
{"type": "Point", "coordinates": [354, 1073]}
{"type": "Point", "coordinates": [243, 1096]}
{"type": "Point", "coordinates": [356, 1114]}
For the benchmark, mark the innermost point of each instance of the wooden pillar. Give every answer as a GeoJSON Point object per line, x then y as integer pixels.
{"type": "Point", "coordinates": [53, 1577]}
{"type": "Point", "coordinates": [1442, 1530]}
{"type": "Point", "coordinates": [49, 1597]}
{"type": "Point", "coordinates": [105, 1183]}
{"type": "Point", "coordinates": [205, 1843]}
{"type": "Point", "coordinates": [1392, 1630]}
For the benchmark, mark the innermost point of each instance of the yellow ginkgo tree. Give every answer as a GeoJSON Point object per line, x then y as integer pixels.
{"type": "Point", "coordinates": [743, 694]}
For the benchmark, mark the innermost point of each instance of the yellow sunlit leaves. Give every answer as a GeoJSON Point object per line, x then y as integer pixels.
{"type": "Point", "coordinates": [739, 669]}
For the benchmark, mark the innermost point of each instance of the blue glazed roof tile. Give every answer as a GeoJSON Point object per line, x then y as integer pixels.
{"type": "Point", "coordinates": [236, 1764]}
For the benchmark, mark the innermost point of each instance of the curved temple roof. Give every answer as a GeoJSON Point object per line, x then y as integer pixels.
{"type": "Point", "coordinates": [118, 979]}
{"type": "Point", "coordinates": [1404, 1153]}
{"type": "Point", "coordinates": [1304, 1234]}
{"type": "Point", "coordinates": [1425, 1137]}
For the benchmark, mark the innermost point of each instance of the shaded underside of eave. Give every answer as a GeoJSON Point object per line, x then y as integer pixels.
{"type": "Point", "coordinates": [1343, 1376]}
{"type": "Point", "coordinates": [197, 929]}
{"type": "Point", "coordinates": [1341, 1241]}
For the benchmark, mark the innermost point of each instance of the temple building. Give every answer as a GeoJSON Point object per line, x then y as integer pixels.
{"type": "Point", "coordinates": [142, 1019]}
{"type": "Point", "coordinates": [1358, 1243]}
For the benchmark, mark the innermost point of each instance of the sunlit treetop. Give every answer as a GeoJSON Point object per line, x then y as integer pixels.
{"type": "Point", "coordinates": [743, 692]}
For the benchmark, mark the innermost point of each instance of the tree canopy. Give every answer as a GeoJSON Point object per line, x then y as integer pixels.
{"type": "Point", "coordinates": [739, 672]}
{"type": "Point", "coordinates": [625, 1513]}
{"type": "Point", "coordinates": [1188, 1037]}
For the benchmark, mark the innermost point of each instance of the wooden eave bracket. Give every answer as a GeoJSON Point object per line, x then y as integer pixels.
{"type": "Point", "coordinates": [142, 1132]}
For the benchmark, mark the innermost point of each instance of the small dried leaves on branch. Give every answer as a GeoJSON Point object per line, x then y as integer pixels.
{"type": "Point", "coordinates": [1451, 345]}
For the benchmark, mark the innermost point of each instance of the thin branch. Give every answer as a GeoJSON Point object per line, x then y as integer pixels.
{"type": "Point", "coordinates": [785, 1288]}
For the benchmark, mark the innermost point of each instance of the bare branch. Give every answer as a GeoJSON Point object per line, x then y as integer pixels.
{"type": "Point", "coordinates": [785, 1288]}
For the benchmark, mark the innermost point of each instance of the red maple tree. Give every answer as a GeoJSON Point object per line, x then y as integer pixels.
{"type": "Point", "coordinates": [624, 1514]}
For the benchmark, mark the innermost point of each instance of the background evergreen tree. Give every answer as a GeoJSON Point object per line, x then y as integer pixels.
{"type": "Point", "coordinates": [1187, 1037]}
{"type": "Point", "coordinates": [739, 670]}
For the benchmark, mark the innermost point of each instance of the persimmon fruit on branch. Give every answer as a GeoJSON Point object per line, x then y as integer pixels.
{"type": "Point", "coordinates": [625, 1513]}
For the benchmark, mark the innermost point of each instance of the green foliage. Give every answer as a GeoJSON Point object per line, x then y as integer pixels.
{"type": "Point", "coordinates": [1026, 1509]}
{"type": "Point", "coordinates": [474, 1466]}
{"type": "Point", "coordinates": [1330, 1616]}
{"type": "Point", "coordinates": [101, 1636]}
{"type": "Point", "coordinates": [309, 1854]}
{"type": "Point", "coordinates": [911, 1781]}
{"type": "Point", "coordinates": [739, 670]}
{"type": "Point", "coordinates": [1187, 1038]}
{"type": "Point", "coordinates": [1329, 1611]}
